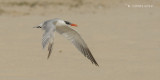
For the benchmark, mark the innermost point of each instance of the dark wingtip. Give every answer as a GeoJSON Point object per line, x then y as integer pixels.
{"type": "Point", "coordinates": [91, 57]}
{"type": "Point", "coordinates": [50, 50]}
{"type": "Point", "coordinates": [47, 57]}
{"type": "Point", "coordinates": [96, 64]}
{"type": "Point", "coordinates": [88, 54]}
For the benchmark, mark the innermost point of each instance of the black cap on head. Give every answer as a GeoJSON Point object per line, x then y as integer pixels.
{"type": "Point", "coordinates": [67, 22]}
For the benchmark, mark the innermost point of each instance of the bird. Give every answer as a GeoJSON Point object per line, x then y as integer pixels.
{"type": "Point", "coordinates": [63, 27]}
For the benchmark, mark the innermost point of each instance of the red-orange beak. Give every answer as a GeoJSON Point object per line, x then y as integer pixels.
{"type": "Point", "coordinates": [75, 25]}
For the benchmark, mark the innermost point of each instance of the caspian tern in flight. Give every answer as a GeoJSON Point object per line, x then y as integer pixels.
{"type": "Point", "coordinates": [62, 27]}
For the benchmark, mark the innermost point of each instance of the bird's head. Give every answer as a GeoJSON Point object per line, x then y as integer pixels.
{"type": "Point", "coordinates": [64, 23]}
{"type": "Point", "coordinates": [71, 24]}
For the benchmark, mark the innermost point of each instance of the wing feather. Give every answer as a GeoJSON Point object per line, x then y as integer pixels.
{"type": "Point", "coordinates": [48, 37]}
{"type": "Point", "coordinates": [78, 42]}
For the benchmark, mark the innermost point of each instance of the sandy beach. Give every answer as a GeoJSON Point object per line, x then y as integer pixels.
{"type": "Point", "coordinates": [124, 39]}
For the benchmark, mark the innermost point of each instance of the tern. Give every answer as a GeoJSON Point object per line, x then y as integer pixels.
{"type": "Point", "coordinates": [63, 27]}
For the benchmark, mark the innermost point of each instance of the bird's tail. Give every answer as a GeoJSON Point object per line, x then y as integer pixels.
{"type": "Point", "coordinates": [37, 27]}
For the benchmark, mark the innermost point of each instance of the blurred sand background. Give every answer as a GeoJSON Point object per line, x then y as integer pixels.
{"type": "Point", "coordinates": [124, 40]}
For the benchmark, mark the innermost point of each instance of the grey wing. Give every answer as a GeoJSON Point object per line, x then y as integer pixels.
{"type": "Point", "coordinates": [78, 42]}
{"type": "Point", "coordinates": [48, 37]}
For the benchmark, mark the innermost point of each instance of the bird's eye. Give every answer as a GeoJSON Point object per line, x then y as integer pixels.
{"type": "Point", "coordinates": [67, 22]}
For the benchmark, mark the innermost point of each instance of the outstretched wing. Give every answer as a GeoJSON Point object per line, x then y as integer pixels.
{"type": "Point", "coordinates": [48, 37]}
{"type": "Point", "coordinates": [78, 42]}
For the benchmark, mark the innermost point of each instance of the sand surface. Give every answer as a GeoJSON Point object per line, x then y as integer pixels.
{"type": "Point", "coordinates": [124, 40]}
